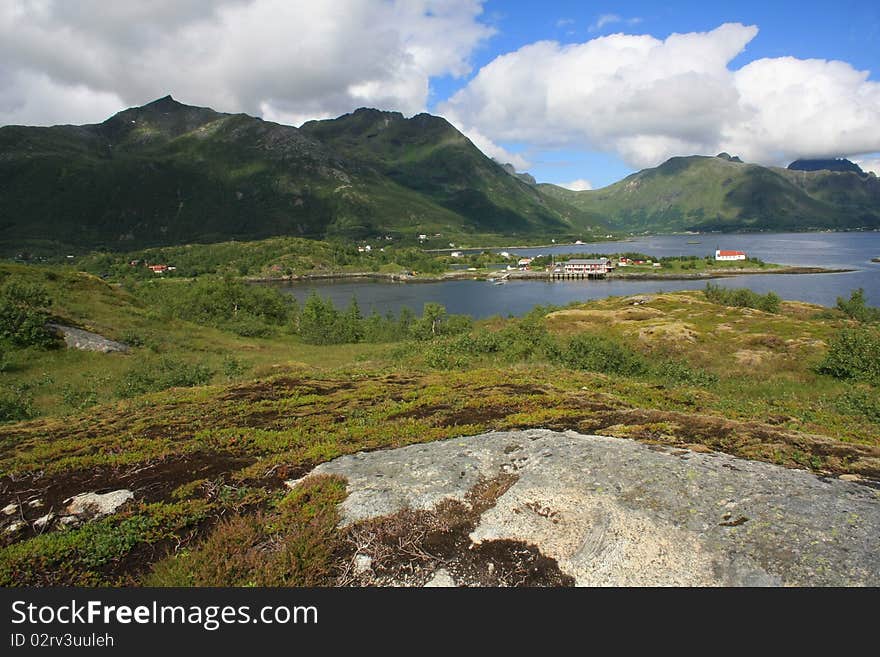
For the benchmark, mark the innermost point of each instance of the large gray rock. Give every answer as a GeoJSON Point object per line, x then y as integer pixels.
{"type": "Point", "coordinates": [76, 338]}
{"type": "Point", "coordinates": [96, 505]}
{"type": "Point", "coordinates": [618, 512]}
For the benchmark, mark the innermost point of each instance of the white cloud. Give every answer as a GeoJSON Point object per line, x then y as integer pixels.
{"type": "Point", "coordinates": [610, 19]}
{"type": "Point", "coordinates": [493, 150]}
{"type": "Point", "coordinates": [578, 185]}
{"type": "Point", "coordinates": [869, 164]}
{"type": "Point", "coordinates": [803, 108]}
{"type": "Point", "coordinates": [286, 59]}
{"type": "Point", "coordinates": [647, 99]}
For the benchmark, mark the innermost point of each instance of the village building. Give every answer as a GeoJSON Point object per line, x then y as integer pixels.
{"type": "Point", "coordinates": [586, 266]}
{"type": "Point", "coordinates": [729, 255]}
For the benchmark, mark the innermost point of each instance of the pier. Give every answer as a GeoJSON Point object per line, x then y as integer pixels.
{"type": "Point", "coordinates": [575, 275]}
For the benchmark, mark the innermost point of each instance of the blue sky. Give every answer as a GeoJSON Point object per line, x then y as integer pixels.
{"type": "Point", "coordinates": [844, 30]}
{"type": "Point", "coordinates": [577, 93]}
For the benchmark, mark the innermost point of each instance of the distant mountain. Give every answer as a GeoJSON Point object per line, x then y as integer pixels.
{"type": "Point", "coordinates": [838, 164]}
{"type": "Point", "coordinates": [427, 155]}
{"type": "Point", "coordinates": [722, 193]}
{"type": "Point", "coordinates": [169, 173]}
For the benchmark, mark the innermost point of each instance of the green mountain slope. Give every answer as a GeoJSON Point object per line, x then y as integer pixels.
{"type": "Point", "coordinates": [718, 193]}
{"type": "Point", "coordinates": [428, 155]}
{"type": "Point", "coordinates": [168, 173]}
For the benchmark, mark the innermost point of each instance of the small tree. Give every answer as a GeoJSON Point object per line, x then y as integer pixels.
{"type": "Point", "coordinates": [23, 314]}
{"type": "Point", "coordinates": [856, 307]}
{"type": "Point", "coordinates": [352, 323]}
{"type": "Point", "coordinates": [319, 321]}
{"type": "Point", "coordinates": [430, 323]}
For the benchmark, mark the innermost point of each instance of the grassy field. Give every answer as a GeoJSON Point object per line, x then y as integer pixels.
{"type": "Point", "coordinates": [207, 454]}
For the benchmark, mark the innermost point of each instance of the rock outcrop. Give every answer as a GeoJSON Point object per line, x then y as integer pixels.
{"type": "Point", "coordinates": [76, 338]}
{"type": "Point", "coordinates": [616, 512]}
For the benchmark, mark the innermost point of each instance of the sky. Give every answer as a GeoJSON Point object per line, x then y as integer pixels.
{"type": "Point", "coordinates": [577, 93]}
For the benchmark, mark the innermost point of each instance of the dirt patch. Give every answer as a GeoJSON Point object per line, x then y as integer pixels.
{"type": "Point", "coordinates": [672, 332]}
{"type": "Point", "coordinates": [283, 387]}
{"type": "Point", "coordinates": [409, 547]}
{"type": "Point", "coordinates": [767, 341]}
{"type": "Point", "coordinates": [639, 314]}
{"type": "Point", "coordinates": [752, 358]}
{"type": "Point", "coordinates": [474, 415]}
{"type": "Point", "coordinates": [151, 481]}
{"type": "Point", "coordinates": [419, 412]}
{"type": "Point", "coordinates": [521, 389]}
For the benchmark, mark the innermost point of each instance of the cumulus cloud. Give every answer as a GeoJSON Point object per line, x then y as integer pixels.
{"type": "Point", "coordinates": [578, 185]}
{"type": "Point", "coordinates": [647, 99]}
{"type": "Point", "coordinates": [288, 60]}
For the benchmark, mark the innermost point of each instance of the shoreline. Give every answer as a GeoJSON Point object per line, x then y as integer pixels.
{"type": "Point", "coordinates": [542, 275]}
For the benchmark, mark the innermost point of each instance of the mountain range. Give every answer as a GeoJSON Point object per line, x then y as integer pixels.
{"type": "Point", "coordinates": [722, 193]}
{"type": "Point", "coordinates": [169, 173]}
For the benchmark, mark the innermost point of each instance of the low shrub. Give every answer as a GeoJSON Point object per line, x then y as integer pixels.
{"type": "Point", "coordinates": [743, 298]}
{"type": "Point", "coordinates": [292, 545]}
{"type": "Point", "coordinates": [597, 353]}
{"type": "Point", "coordinates": [675, 371]}
{"type": "Point", "coordinates": [165, 373]}
{"type": "Point", "coordinates": [853, 354]}
{"type": "Point", "coordinates": [16, 403]}
{"type": "Point", "coordinates": [860, 401]}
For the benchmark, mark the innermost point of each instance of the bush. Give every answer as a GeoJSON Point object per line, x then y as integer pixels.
{"type": "Point", "coordinates": [321, 323]}
{"type": "Point", "coordinates": [743, 298]}
{"type": "Point", "coordinates": [600, 354]}
{"type": "Point", "coordinates": [859, 401]}
{"type": "Point", "coordinates": [675, 371]}
{"type": "Point", "coordinates": [248, 326]}
{"type": "Point", "coordinates": [23, 314]}
{"type": "Point", "coordinates": [249, 310]}
{"type": "Point", "coordinates": [16, 403]}
{"type": "Point", "coordinates": [856, 308]}
{"type": "Point", "coordinates": [78, 399]}
{"type": "Point", "coordinates": [853, 354]}
{"type": "Point", "coordinates": [232, 367]}
{"type": "Point", "coordinates": [166, 373]}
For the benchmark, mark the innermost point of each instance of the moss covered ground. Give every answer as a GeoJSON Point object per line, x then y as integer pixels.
{"type": "Point", "coordinates": [207, 462]}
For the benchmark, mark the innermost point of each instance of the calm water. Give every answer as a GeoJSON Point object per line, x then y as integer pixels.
{"type": "Point", "coordinates": [483, 299]}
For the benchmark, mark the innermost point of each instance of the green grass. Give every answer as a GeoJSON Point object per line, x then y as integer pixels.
{"type": "Point", "coordinates": [676, 370]}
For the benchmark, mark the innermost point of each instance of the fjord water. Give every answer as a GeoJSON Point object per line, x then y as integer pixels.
{"type": "Point", "coordinates": [852, 250]}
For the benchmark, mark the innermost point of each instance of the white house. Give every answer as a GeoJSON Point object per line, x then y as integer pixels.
{"type": "Point", "coordinates": [729, 255]}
